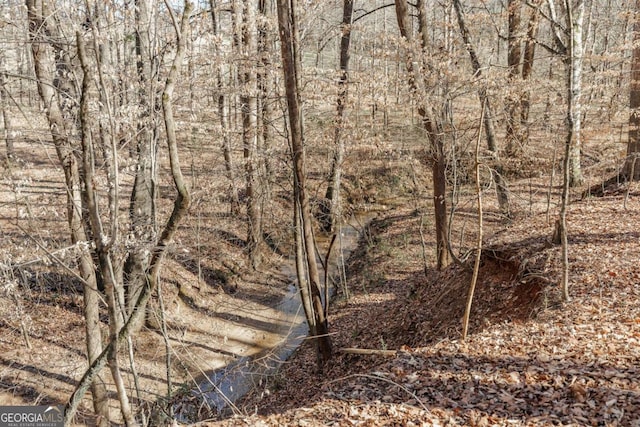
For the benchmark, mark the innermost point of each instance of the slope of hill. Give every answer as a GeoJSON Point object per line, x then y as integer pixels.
{"type": "Point", "coordinates": [529, 360]}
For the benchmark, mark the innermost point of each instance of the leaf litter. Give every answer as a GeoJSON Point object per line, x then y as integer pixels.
{"type": "Point", "coordinates": [530, 360]}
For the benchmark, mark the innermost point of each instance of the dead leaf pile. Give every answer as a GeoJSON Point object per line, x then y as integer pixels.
{"type": "Point", "coordinates": [531, 359]}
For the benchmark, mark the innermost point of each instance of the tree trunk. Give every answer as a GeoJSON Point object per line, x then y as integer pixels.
{"type": "Point", "coordinates": [513, 135]}
{"type": "Point", "coordinates": [249, 109]}
{"type": "Point", "coordinates": [575, 19]}
{"type": "Point", "coordinates": [180, 207]}
{"type": "Point", "coordinates": [438, 170]}
{"type": "Point", "coordinates": [527, 67]}
{"type": "Point", "coordinates": [476, 264]}
{"type": "Point", "coordinates": [223, 114]}
{"type": "Point", "coordinates": [288, 45]}
{"type": "Point", "coordinates": [502, 190]}
{"type": "Point", "coordinates": [142, 204]}
{"type": "Point", "coordinates": [631, 168]}
{"type": "Point", "coordinates": [7, 128]}
{"type": "Point", "coordinates": [264, 109]}
{"type": "Point", "coordinates": [67, 158]}
{"type": "Point", "coordinates": [436, 156]}
{"type": "Point", "coordinates": [102, 246]}
{"type": "Point", "coordinates": [331, 206]}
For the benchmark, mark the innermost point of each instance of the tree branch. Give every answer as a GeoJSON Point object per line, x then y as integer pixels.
{"type": "Point", "coordinates": [181, 204]}
{"type": "Point", "coordinates": [373, 11]}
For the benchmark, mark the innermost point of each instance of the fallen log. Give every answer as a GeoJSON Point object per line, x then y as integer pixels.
{"type": "Point", "coordinates": [368, 351]}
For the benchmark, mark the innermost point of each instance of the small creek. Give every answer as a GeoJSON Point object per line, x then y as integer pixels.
{"type": "Point", "coordinates": [220, 388]}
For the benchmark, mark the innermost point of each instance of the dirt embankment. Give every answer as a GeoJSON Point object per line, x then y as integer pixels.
{"type": "Point", "coordinates": [529, 360]}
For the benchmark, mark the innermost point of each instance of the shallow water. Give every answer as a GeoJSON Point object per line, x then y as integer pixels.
{"type": "Point", "coordinates": [222, 387]}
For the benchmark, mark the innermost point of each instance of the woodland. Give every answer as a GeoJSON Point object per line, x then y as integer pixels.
{"type": "Point", "coordinates": [309, 213]}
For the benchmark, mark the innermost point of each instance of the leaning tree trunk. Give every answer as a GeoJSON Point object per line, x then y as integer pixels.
{"type": "Point", "coordinates": [286, 25]}
{"type": "Point", "coordinates": [331, 207]}
{"type": "Point", "coordinates": [631, 168]}
{"type": "Point", "coordinates": [69, 162]}
{"type": "Point", "coordinates": [180, 208]}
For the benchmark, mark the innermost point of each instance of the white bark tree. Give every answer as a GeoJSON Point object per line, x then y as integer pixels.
{"type": "Point", "coordinates": [570, 46]}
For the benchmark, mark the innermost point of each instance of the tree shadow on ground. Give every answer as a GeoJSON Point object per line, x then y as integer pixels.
{"type": "Point", "coordinates": [230, 238]}
{"type": "Point", "coordinates": [27, 393]}
{"type": "Point", "coordinates": [249, 322]}
{"type": "Point", "coordinates": [214, 277]}
{"type": "Point", "coordinates": [36, 371]}
{"type": "Point", "coordinates": [525, 388]}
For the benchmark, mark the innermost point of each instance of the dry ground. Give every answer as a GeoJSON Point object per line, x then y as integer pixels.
{"type": "Point", "coordinates": [530, 359]}
{"type": "Point", "coordinates": [216, 309]}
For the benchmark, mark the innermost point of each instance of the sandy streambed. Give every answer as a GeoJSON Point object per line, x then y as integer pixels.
{"type": "Point", "coordinates": [257, 338]}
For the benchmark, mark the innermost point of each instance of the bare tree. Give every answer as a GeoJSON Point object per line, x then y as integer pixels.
{"type": "Point", "coordinates": [266, 85]}
{"type": "Point", "coordinates": [332, 196]}
{"type": "Point", "coordinates": [306, 262]}
{"type": "Point", "coordinates": [142, 204]}
{"type": "Point", "coordinates": [476, 265]}
{"type": "Point", "coordinates": [569, 44]}
{"type": "Point", "coordinates": [527, 67]}
{"type": "Point", "coordinates": [180, 207]}
{"type": "Point", "coordinates": [502, 190]}
{"type": "Point", "coordinates": [520, 58]}
{"type": "Point", "coordinates": [631, 169]}
{"type": "Point", "coordinates": [223, 109]}
{"type": "Point", "coordinates": [249, 110]}
{"type": "Point", "coordinates": [431, 121]}
{"type": "Point", "coordinates": [513, 135]}
{"type": "Point", "coordinates": [572, 174]}
{"type": "Point", "coordinates": [40, 31]}
{"type": "Point", "coordinates": [103, 244]}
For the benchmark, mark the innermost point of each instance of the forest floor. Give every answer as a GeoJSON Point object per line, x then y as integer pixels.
{"type": "Point", "coordinates": [529, 359]}
{"type": "Point", "coordinates": [216, 309]}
